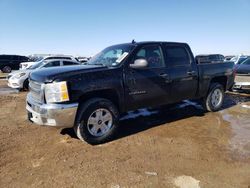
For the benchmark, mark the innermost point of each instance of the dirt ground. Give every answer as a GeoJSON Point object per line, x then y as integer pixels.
{"type": "Point", "coordinates": [3, 75]}
{"type": "Point", "coordinates": [167, 147]}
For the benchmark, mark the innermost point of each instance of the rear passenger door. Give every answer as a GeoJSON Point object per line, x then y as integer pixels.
{"type": "Point", "coordinates": [183, 72]}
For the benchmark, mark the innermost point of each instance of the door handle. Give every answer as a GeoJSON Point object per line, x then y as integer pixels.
{"type": "Point", "coordinates": [166, 77]}
{"type": "Point", "coordinates": [191, 73]}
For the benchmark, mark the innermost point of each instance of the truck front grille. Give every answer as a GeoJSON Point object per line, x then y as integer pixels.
{"type": "Point", "coordinates": [36, 91]}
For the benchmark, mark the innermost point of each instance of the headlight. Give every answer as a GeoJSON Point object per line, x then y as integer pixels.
{"type": "Point", "coordinates": [19, 75]}
{"type": "Point", "coordinates": [56, 92]}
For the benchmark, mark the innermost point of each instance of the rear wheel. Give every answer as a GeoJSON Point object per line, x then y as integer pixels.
{"type": "Point", "coordinates": [214, 99]}
{"type": "Point", "coordinates": [96, 121]}
{"type": "Point", "coordinates": [6, 69]}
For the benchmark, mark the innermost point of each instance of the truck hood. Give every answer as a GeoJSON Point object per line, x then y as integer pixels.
{"type": "Point", "coordinates": [50, 74]}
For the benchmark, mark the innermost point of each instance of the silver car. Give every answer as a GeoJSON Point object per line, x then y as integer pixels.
{"type": "Point", "coordinates": [20, 79]}
{"type": "Point", "coordinates": [37, 59]}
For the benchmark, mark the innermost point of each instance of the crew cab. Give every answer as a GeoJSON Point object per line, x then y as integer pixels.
{"type": "Point", "coordinates": [124, 77]}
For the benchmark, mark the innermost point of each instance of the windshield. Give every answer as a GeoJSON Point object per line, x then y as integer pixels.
{"type": "Point", "coordinates": [111, 56]}
{"type": "Point", "coordinates": [37, 65]}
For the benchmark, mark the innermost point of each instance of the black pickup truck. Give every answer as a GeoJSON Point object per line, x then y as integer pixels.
{"type": "Point", "coordinates": [120, 78]}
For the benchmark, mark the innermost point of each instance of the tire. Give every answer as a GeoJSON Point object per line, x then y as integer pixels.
{"type": "Point", "coordinates": [214, 99]}
{"type": "Point", "coordinates": [96, 110]}
{"type": "Point", "coordinates": [6, 69]}
{"type": "Point", "coordinates": [26, 85]}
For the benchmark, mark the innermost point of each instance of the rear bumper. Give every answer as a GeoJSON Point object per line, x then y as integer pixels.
{"type": "Point", "coordinates": [56, 115]}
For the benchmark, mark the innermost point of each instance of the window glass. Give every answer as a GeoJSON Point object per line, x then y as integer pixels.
{"type": "Point", "coordinates": [152, 54]}
{"type": "Point", "coordinates": [177, 56]}
{"type": "Point", "coordinates": [37, 65]}
{"type": "Point", "coordinates": [112, 55]}
{"type": "Point", "coordinates": [141, 53]}
{"type": "Point", "coordinates": [69, 63]}
{"type": "Point", "coordinates": [52, 64]}
{"type": "Point", "coordinates": [246, 62]}
{"type": "Point", "coordinates": [214, 57]}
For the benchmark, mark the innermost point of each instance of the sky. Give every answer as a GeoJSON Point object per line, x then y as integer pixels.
{"type": "Point", "coordinates": [84, 27]}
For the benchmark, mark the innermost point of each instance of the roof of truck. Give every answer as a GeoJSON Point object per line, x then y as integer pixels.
{"type": "Point", "coordinates": [151, 42]}
{"type": "Point", "coordinates": [143, 42]}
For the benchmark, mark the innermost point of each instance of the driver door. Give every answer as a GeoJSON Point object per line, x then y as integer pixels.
{"type": "Point", "coordinates": [148, 86]}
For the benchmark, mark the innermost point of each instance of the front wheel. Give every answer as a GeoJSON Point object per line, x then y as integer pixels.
{"type": "Point", "coordinates": [214, 99]}
{"type": "Point", "coordinates": [96, 121]}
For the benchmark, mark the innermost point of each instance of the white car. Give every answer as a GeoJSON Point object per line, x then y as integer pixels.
{"type": "Point", "coordinates": [26, 65]}
{"type": "Point", "coordinates": [20, 79]}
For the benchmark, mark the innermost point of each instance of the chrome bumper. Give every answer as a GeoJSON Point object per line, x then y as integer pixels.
{"type": "Point", "coordinates": [57, 115]}
{"type": "Point", "coordinates": [242, 85]}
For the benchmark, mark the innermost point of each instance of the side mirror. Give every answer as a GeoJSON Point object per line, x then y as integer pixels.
{"type": "Point", "coordinates": [139, 64]}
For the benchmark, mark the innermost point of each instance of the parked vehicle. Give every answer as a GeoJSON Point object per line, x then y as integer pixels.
{"type": "Point", "coordinates": [121, 78]}
{"type": "Point", "coordinates": [211, 58]}
{"type": "Point", "coordinates": [83, 60]}
{"type": "Point", "coordinates": [11, 62]}
{"type": "Point", "coordinates": [229, 57]}
{"type": "Point", "coordinates": [20, 79]}
{"type": "Point", "coordinates": [26, 65]}
{"type": "Point", "coordinates": [239, 59]}
{"type": "Point", "coordinates": [242, 79]}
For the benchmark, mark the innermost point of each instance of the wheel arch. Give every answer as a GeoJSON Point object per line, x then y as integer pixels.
{"type": "Point", "coordinates": [221, 80]}
{"type": "Point", "coordinates": [109, 94]}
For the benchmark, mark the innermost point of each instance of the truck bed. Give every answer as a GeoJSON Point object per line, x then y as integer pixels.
{"type": "Point", "coordinates": [209, 71]}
